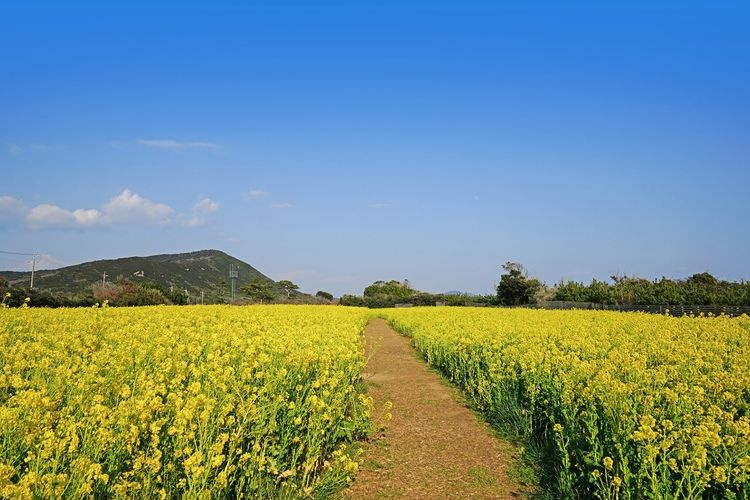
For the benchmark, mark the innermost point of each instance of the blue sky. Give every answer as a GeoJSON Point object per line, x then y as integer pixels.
{"type": "Point", "coordinates": [337, 143]}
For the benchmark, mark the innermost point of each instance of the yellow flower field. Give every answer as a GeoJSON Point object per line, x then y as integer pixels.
{"type": "Point", "coordinates": [157, 402]}
{"type": "Point", "coordinates": [627, 405]}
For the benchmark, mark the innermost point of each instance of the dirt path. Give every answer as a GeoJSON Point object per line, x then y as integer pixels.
{"type": "Point", "coordinates": [433, 447]}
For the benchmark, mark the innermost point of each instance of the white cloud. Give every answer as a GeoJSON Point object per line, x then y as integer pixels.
{"type": "Point", "coordinates": [201, 211]}
{"type": "Point", "coordinates": [11, 207]}
{"type": "Point", "coordinates": [378, 206]}
{"type": "Point", "coordinates": [128, 207]}
{"type": "Point", "coordinates": [48, 216]}
{"type": "Point", "coordinates": [281, 205]}
{"type": "Point", "coordinates": [255, 194]}
{"type": "Point", "coordinates": [125, 208]}
{"type": "Point", "coordinates": [173, 145]}
{"type": "Point", "coordinates": [14, 149]}
{"type": "Point", "coordinates": [206, 206]}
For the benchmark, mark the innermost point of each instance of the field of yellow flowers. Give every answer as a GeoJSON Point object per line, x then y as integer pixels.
{"type": "Point", "coordinates": [196, 402]}
{"type": "Point", "coordinates": [627, 405]}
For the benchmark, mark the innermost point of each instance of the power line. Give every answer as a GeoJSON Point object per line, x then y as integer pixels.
{"type": "Point", "coordinates": [33, 263]}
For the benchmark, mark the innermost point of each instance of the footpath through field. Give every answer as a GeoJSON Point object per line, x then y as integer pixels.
{"type": "Point", "coordinates": [433, 447]}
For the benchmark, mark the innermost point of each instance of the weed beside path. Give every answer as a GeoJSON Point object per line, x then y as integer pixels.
{"type": "Point", "coordinates": [433, 447]}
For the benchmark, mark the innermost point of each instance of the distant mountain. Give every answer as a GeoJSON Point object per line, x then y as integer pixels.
{"type": "Point", "coordinates": [204, 271]}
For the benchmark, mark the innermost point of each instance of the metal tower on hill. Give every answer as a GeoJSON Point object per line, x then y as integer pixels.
{"type": "Point", "coordinates": [233, 274]}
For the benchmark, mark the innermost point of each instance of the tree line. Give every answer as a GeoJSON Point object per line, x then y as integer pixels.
{"type": "Point", "coordinates": [699, 289]}
{"type": "Point", "coordinates": [517, 288]}
{"type": "Point", "coordinates": [391, 293]}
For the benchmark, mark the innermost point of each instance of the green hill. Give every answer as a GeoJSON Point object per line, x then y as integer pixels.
{"type": "Point", "coordinates": [204, 271]}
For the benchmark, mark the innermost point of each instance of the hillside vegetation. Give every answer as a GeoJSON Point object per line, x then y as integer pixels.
{"type": "Point", "coordinates": [204, 270]}
{"type": "Point", "coordinates": [167, 278]}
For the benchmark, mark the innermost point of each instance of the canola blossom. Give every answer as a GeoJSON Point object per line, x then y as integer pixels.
{"type": "Point", "coordinates": [194, 402]}
{"type": "Point", "coordinates": [628, 405]}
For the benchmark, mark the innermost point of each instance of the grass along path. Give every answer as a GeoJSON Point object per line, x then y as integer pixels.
{"type": "Point", "coordinates": [433, 447]}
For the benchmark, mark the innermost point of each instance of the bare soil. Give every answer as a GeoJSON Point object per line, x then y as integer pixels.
{"type": "Point", "coordinates": [433, 447]}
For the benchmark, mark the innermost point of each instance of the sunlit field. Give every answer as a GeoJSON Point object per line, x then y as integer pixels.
{"type": "Point", "coordinates": [626, 405]}
{"type": "Point", "coordinates": [221, 401]}
{"type": "Point", "coordinates": [209, 402]}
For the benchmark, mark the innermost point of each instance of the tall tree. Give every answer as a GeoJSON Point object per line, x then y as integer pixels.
{"type": "Point", "coordinates": [288, 287]}
{"type": "Point", "coordinates": [259, 290]}
{"type": "Point", "coordinates": [391, 288]}
{"type": "Point", "coordinates": [515, 287]}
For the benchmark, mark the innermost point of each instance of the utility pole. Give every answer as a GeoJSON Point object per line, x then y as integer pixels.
{"type": "Point", "coordinates": [33, 268]}
{"type": "Point", "coordinates": [33, 263]}
{"type": "Point", "coordinates": [104, 278]}
{"type": "Point", "coordinates": [201, 297]}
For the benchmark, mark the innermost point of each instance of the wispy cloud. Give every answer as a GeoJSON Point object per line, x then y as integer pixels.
{"type": "Point", "coordinates": [173, 145]}
{"type": "Point", "coordinates": [201, 211]}
{"type": "Point", "coordinates": [260, 194]}
{"type": "Point", "coordinates": [45, 261]}
{"type": "Point", "coordinates": [380, 206]}
{"type": "Point", "coordinates": [17, 149]}
{"type": "Point", "coordinates": [255, 194]}
{"type": "Point", "coordinates": [11, 207]}
{"type": "Point", "coordinates": [318, 278]}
